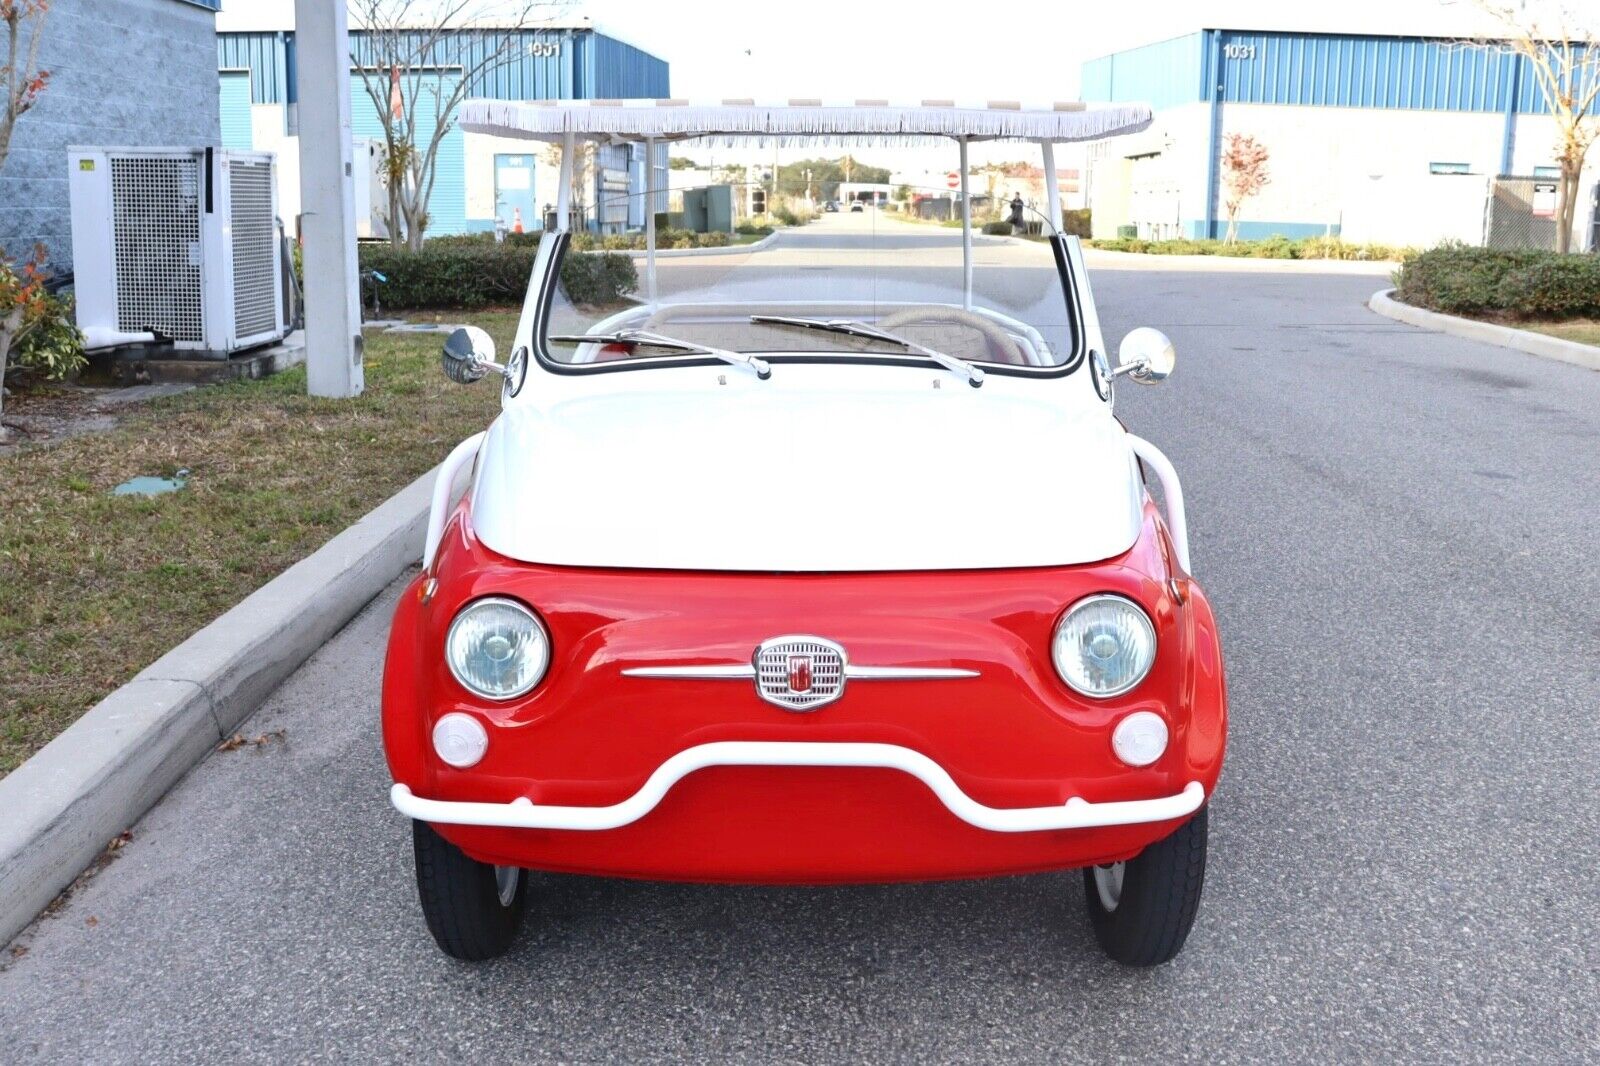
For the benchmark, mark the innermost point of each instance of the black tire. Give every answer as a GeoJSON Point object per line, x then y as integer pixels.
{"type": "Point", "coordinates": [461, 899]}
{"type": "Point", "coordinates": [1159, 898]}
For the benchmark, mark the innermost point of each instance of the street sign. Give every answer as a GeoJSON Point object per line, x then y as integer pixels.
{"type": "Point", "coordinates": [953, 180]}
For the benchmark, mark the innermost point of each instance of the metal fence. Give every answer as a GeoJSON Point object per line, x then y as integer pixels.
{"type": "Point", "coordinates": [1521, 213]}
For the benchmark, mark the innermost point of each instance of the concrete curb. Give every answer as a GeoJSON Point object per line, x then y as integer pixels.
{"type": "Point", "coordinates": [1584, 355]}
{"type": "Point", "coordinates": [92, 782]}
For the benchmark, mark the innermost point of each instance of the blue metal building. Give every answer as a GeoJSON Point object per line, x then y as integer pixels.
{"type": "Point", "coordinates": [1364, 105]}
{"type": "Point", "coordinates": [259, 91]}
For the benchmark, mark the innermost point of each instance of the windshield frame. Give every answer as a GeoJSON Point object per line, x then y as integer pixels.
{"type": "Point", "coordinates": [553, 249]}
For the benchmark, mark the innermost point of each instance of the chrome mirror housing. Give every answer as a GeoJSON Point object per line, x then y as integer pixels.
{"type": "Point", "coordinates": [1146, 355]}
{"type": "Point", "coordinates": [468, 355]}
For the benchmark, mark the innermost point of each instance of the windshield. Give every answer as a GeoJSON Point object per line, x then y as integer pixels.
{"type": "Point", "coordinates": [888, 258]}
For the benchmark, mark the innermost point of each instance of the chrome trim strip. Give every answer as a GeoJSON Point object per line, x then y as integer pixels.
{"type": "Point", "coordinates": [1075, 813]}
{"type": "Point", "coordinates": [747, 672]}
{"type": "Point", "coordinates": [732, 672]}
{"type": "Point", "coordinates": [905, 673]}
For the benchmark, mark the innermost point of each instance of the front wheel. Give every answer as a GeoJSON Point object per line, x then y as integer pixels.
{"type": "Point", "coordinates": [473, 909]}
{"type": "Point", "coordinates": [1142, 909]}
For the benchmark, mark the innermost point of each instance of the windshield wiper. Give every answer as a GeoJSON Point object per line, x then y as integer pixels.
{"type": "Point", "coordinates": [645, 339]}
{"type": "Point", "coordinates": [973, 374]}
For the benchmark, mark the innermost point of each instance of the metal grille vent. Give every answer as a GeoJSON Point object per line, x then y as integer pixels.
{"type": "Point", "coordinates": [799, 673]}
{"type": "Point", "coordinates": [255, 257]}
{"type": "Point", "coordinates": [156, 241]}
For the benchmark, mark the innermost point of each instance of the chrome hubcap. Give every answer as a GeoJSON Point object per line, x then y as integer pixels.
{"type": "Point", "coordinates": [506, 880]}
{"type": "Point", "coordinates": [1108, 884]}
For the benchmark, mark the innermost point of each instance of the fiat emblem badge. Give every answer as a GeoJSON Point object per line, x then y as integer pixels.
{"type": "Point", "coordinates": [799, 673]}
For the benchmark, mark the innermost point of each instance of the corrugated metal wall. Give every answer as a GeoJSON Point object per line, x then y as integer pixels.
{"type": "Point", "coordinates": [447, 206]}
{"type": "Point", "coordinates": [611, 69]}
{"type": "Point", "coordinates": [263, 55]}
{"type": "Point", "coordinates": [1389, 72]}
{"type": "Point", "coordinates": [548, 64]}
{"type": "Point", "coordinates": [1319, 70]}
{"type": "Point", "coordinates": [1163, 74]}
{"type": "Point", "coordinates": [235, 110]}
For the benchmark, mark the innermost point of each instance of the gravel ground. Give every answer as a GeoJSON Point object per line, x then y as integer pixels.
{"type": "Point", "coordinates": [1396, 530]}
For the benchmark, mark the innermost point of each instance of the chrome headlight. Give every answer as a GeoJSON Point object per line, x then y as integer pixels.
{"type": "Point", "coordinates": [497, 648]}
{"type": "Point", "coordinates": [1103, 646]}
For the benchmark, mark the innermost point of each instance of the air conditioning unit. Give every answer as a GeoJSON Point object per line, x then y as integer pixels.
{"type": "Point", "coordinates": [181, 243]}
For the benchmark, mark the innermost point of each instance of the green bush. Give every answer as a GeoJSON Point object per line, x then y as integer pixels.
{"type": "Point", "coordinates": [1077, 223]}
{"type": "Point", "coordinates": [454, 274]}
{"type": "Point", "coordinates": [753, 229]}
{"type": "Point", "coordinates": [997, 229]}
{"type": "Point", "coordinates": [1459, 279]}
{"type": "Point", "coordinates": [1560, 286]}
{"type": "Point", "coordinates": [51, 344]}
{"type": "Point", "coordinates": [598, 280]}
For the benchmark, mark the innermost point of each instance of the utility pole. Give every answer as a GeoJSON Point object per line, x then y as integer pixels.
{"type": "Point", "coordinates": [327, 198]}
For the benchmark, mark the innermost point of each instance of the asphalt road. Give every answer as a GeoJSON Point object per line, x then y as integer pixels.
{"type": "Point", "coordinates": [1396, 529]}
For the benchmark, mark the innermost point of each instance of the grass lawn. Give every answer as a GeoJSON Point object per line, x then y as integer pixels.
{"type": "Point", "coordinates": [1582, 331]}
{"type": "Point", "coordinates": [93, 587]}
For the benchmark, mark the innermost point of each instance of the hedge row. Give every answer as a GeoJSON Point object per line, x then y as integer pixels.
{"type": "Point", "coordinates": [1459, 279]}
{"type": "Point", "coordinates": [467, 275]}
{"type": "Point", "coordinates": [1269, 248]}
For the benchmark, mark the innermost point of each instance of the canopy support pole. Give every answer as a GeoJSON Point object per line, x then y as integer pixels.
{"type": "Point", "coordinates": [564, 190]}
{"type": "Point", "coordinates": [966, 231]}
{"type": "Point", "coordinates": [650, 220]}
{"type": "Point", "coordinates": [1052, 189]}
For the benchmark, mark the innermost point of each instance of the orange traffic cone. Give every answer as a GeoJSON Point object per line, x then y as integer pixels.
{"type": "Point", "coordinates": [516, 220]}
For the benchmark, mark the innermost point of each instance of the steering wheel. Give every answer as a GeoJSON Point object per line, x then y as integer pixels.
{"type": "Point", "coordinates": [1003, 347]}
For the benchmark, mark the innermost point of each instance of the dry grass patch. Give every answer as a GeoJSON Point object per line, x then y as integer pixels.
{"type": "Point", "coordinates": [1583, 331]}
{"type": "Point", "coordinates": [94, 587]}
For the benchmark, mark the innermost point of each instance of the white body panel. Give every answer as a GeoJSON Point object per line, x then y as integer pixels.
{"type": "Point", "coordinates": [825, 467]}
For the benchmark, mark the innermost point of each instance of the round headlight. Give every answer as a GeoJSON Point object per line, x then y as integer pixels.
{"type": "Point", "coordinates": [497, 648]}
{"type": "Point", "coordinates": [1103, 646]}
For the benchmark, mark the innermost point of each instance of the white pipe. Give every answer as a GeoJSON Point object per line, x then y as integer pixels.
{"type": "Point", "coordinates": [564, 190]}
{"type": "Point", "coordinates": [1171, 491]}
{"type": "Point", "coordinates": [966, 231]}
{"type": "Point", "coordinates": [1075, 813]}
{"type": "Point", "coordinates": [650, 220]}
{"type": "Point", "coordinates": [443, 486]}
{"type": "Point", "coordinates": [1052, 190]}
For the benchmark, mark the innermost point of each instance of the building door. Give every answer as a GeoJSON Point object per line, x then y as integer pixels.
{"type": "Point", "coordinates": [513, 193]}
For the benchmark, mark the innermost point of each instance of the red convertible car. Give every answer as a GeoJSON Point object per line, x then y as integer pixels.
{"type": "Point", "coordinates": [818, 560]}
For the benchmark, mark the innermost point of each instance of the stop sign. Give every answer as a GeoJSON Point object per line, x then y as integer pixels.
{"type": "Point", "coordinates": [953, 180]}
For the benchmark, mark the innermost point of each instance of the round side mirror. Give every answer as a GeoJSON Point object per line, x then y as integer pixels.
{"type": "Point", "coordinates": [1146, 355]}
{"type": "Point", "coordinates": [468, 355]}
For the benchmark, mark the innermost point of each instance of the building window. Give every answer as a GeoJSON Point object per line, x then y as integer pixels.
{"type": "Point", "coordinates": [1547, 172]}
{"type": "Point", "coordinates": [1449, 168]}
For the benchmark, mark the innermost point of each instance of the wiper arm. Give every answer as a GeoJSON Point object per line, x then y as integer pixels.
{"type": "Point", "coordinates": [646, 339]}
{"type": "Point", "coordinates": [973, 374]}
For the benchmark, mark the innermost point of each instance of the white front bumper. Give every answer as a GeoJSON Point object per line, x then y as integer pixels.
{"type": "Point", "coordinates": [1074, 814]}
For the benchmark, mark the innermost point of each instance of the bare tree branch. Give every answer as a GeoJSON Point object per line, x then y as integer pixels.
{"type": "Point", "coordinates": [1564, 59]}
{"type": "Point", "coordinates": [420, 46]}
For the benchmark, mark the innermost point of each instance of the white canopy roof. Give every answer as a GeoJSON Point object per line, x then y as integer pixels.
{"type": "Point", "coordinates": [872, 120]}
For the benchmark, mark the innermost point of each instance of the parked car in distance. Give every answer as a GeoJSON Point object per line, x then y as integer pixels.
{"type": "Point", "coordinates": [831, 205]}
{"type": "Point", "coordinates": [855, 205]}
